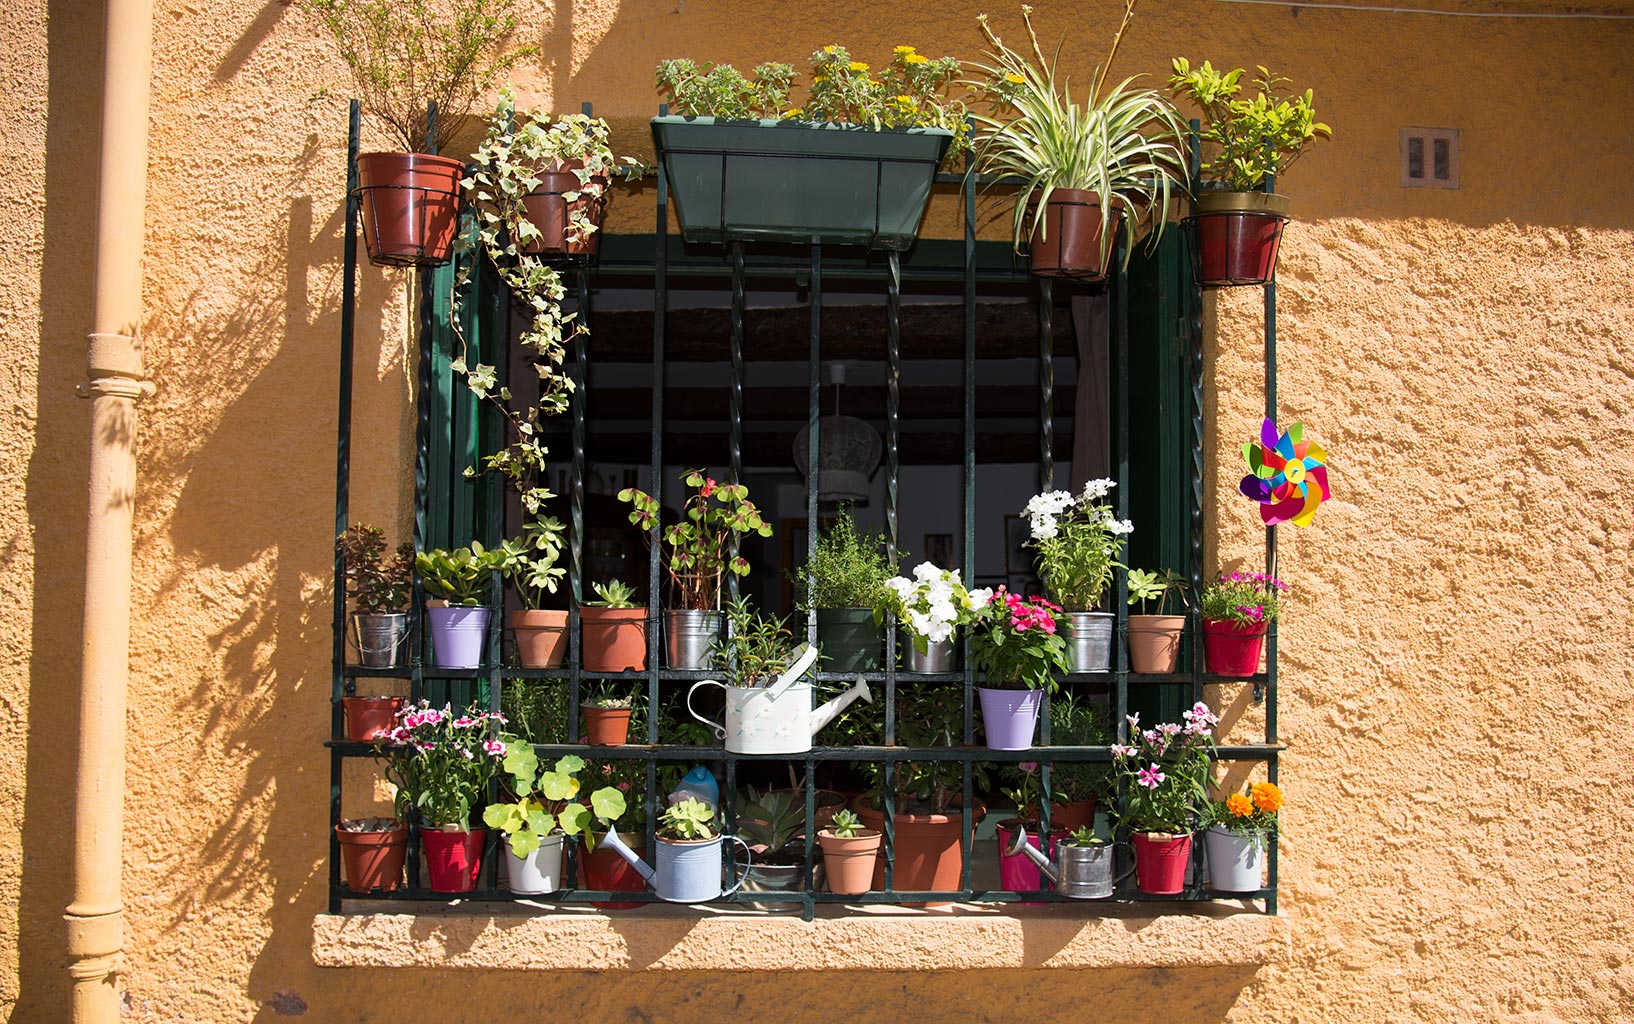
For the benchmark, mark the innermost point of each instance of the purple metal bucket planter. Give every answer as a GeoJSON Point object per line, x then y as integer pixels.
{"type": "Point", "coordinates": [457, 636]}
{"type": "Point", "coordinates": [1010, 717]}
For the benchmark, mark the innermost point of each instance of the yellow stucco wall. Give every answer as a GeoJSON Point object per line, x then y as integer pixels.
{"type": "Point", "coordinates": [1455, 674]}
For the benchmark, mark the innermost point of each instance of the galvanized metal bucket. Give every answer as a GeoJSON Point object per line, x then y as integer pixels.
{"type": "Point", "coordinates": [690, 637]}
{"type": "Point", "coordinates": [1086, 872]}
{"type": "Point", "coordinates": [1089, 640]}
{"type": "Point", "coordinates": [380, 638]}
{"type": "Point", "coordinates": [938, 656]}
{"type": "Point", "coordinates": [781, 878]}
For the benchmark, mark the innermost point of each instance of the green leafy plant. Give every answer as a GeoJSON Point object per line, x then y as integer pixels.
{"type": "Point", "coordinates": [1078, 539]}
{"type": "Point", "coordinates": [721, 90]}
{"type": "Point", "coordinates": [1166, 772]}
{"type": "Point", "coordinates": [927, 716]}
{"type": "Point", "coordinates": [529, 561]}
{"type": "Point", "coordinates": [701, 544]}
{"type": "Point", "coordinates": [1022, 789]}
{"type": "Point", "coordinates": [406, 54]}
{"type": "Point", "coordinates": [535, 709]}
{"type": "Point", "coordinates": [1249, 598]}
{"type": "Point", "coordinates": [609, 693]}
{"type": "Point", "coordinates": [757, 648]}
{"type": "Point", "coordinates": [440, 761]}
{"type": "Point", "coordinates": [630, 778]}
{"type": "Point", "coordinates": [1084, 836]}
{"type": "Point", "coordinates": [1075, 722]}
{"type": "Point", "coordinates": [688, 820]}
{"type": "Point", "coordinates": [613, 594]}
{"type": "Point", "coordinates": [460, 576]}
{"type": "Point", "coordinates": [375, 584]}
{"type": "Point", "coordinates": [847, 569]}
{"type": "Point", "coordinates": [771, 820]}
{"type": "Point", "coordinates": [1015, 644]}
{"type": "Point", "coordinates": [1247, 138]}
{"type": "Point", "coordinates": [546, 800]}
{"type": "Point", "coordinates": [1147, 586]}
{"type": "Point", "coordinates": [1123, 142]}
{"type": "Point", "coordinates": [845, 825]}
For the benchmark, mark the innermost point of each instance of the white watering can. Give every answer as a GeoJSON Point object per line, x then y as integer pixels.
{"type": "Point", "coordinates": [776, 719]}
{"type": "Point", "coordinates": [687, 871]}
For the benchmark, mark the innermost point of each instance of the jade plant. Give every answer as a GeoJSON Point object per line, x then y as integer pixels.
{"type": "Point", "coordinates": [458, 576]}
{"type": "Point", "coordinates": [690, 820]}
{"type": "Point", "coordinates": [1247, 138]}
{"type": "Point", "coordinates": [547, 801]}
{"type": "Point", "coordinates": [375, 584]}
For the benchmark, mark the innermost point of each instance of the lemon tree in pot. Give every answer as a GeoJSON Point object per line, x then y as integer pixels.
{"type": "Point", "coordinates": [405, 55]}
{"type": "Point", "coordinates": [841, 584]}
{"type": "Point", "coordinates": [1164, 771]}
{"type": "Point", "coordinates": [1154, 639]}
{"type": "Point", "coordinates": [379, 589]}
{"type": "Point", "coordinates": [1083, 168]}
{"type": "Point", "coordinates": [1246, 140]}
{"type": "Point", "coordinates": [1077, 540]}
{"type": "Point", "coordinates": [546, 806]}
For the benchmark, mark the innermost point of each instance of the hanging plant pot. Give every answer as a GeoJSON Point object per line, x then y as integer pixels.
{"type": "Point", "coordinates": [926, 848]}
{"type": "Point", "coordinates": [849, 640]}
{"type": "Point", "coordinates": [605, 727]}
{"type": "Point", "coordinates": [539, 872]}
{"type": "Point", "coordinates": [453, 857]}
{"type": "Point", "coordinates": [372, 860]}
{"type": "Point", "coordinates": [541, 637]}
{"type": "Point", "coordinates": [410, 207]}
{"type": "Point", "coordinates": [368, 718]}
{"type": "Point", "coordinates": [1154, 643]}
{"type": "Point", "coordinates": [457, 635]}
{"type": "Point", "coordinates": [1232, 648]}
{"type": "Point", "coordinates": [1236, 236]}
{"type": "Point", "coordinates": [615, 639]}
{"type": "Point", "coordinates": [602, 869]}
{"type": "Point", "coordinates": [1009, 717]}
{"type": "Point", "coordinates": [802, 182]}
{"type": "Point", "coordinates": [1089, 640]}
{"type": "Point", "coordinates": [1160, 862]}
{"type": "Point", "coordinates": [1067, 242]}
{"type": "Point", "coordinates": [549, 209]}
{"type": "Point", "coordinates": [1234, 861]}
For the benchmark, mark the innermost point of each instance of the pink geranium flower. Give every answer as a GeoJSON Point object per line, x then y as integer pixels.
{"type": "Point", "coordinates": [1150, 777]}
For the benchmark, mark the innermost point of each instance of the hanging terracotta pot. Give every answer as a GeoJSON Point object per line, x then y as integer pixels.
{"type": "Point", "coordinates": [1232, 648]}
{"type": "Point", "coordinates": [541, 637]}
{"type": "Point", "coordinates": [1236, 236]}
{"type": "Point", "coordinates": [372, 860]}
{"type": "Point", "coordinates": [453, 858]}
{"type": "Point", "coordinates": [614, 639]}
{"type": "Point", "coordinates": [1154, 643]}
{"type": "Point", "coordinates": [1067, 242]}
{"type": "Point", "coordinates": [1160, 862]}
{"type": "Point", "coordinates": [410, 207]}
{"type": "Point", "coordinates": [548, 209]}
{"type": "Point", "coordinates": [606, 727]}
{"type": "Point", "coordinates": [368, 718]}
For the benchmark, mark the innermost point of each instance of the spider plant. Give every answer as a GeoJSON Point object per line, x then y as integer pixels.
{"type": "Point", "coordinates": [1123, 143]}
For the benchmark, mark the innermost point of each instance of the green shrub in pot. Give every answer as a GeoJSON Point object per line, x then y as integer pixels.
{"type": "Point", "coordinates": [842, 582]}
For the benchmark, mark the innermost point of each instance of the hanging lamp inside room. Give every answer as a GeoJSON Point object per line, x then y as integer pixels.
{"type": "Point", "coordinates": [849, 451]}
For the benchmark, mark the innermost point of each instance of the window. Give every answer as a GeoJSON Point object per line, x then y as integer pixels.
{"type": "Point", "coordinates": [1429, 157]}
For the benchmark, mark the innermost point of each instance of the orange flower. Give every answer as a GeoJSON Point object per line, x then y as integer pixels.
{"type": "Point", "coordinates": [1267, 797]}
{"type": "Point", "coordinates": [1238, 805]}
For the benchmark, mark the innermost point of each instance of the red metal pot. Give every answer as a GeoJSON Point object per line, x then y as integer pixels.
{"type": "Point", "coordinates": [1160, 862]}
{"type": "Point", "coordinates": [1232, 648]}
{"type": "Point", "coordinates": [604, 870]}
{"type": "Point", "coordinates": [453, 859]}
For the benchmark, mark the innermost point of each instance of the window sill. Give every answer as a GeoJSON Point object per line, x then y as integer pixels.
{"type": "Point", "coordinates": [474, 937]}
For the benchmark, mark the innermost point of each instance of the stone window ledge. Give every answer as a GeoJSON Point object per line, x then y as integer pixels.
{"type": "Point", "coordinates": [658, 938]}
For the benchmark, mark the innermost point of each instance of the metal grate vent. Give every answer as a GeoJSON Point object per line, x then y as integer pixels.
{"type": "Point", "coordinates": [1429, 158]}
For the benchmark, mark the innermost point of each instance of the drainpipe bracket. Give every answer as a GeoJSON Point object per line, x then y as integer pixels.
{"type": "Point", "coordinates": [94, 939]}
{"type": "Point", "coordinates": [117, 387]}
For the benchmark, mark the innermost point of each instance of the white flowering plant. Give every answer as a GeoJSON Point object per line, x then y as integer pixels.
{"type": "Point", "coordinates": [440, 760]}
{"type": "Point", "coordinates": [932, 605]}
{"type": "Point", "coordinates": [1079, 539]}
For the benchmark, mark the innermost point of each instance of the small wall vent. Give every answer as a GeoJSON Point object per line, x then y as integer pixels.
{"type": "Point", "coordinates": [1429, 158]}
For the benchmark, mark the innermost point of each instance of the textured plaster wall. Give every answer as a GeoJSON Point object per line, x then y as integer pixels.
{"type": "Point", "coordinates": [1455, 672]}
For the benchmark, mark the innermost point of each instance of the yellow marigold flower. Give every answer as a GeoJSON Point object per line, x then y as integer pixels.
{"type": "Point", "coordinates": [858, 65]}
{"type": "Point", "coordinates": [1238, 805]}
{"type": "Point", "coordinates": [1014, 78]}
{"type": "Point", "coordinates": [903, 50]}
{"type": "Point", "coordinates": [1267, 797]}
{"type": "Point", "coordinates": [906, 101]}
{"type": "Point", "coordinates": [916, 58]}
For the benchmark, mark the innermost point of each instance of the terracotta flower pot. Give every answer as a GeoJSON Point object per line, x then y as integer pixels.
{"type": "Point", "coordinates": [368, 718]}
{"type": "Point", "coordinates": [548, 208]}
{"type": "Point", "coordinates": [453, 859]}
{"type": "Point", "coordinates": [1154, 643]}
{"type": "Point", "coordinates": [604, 870]}
{"type": "Point", "coordinates": [373, 860]}
{"type": "Point", "coordinates": [541, 637]}
{"type": "Point", "coordinates": [606, 727]}
{"type": "Point", "coordinates": [1067, 243]}
{"type": "Point", "coordinates": [1160, 862]}
{"type": "Point", "coordinates": [1232, 648]}
{"type": "Point", "coordinates": [849, 860]}
{"type": "Point", "coordinates": [614, 639]}
{"type": "Point", "coordinates": [926, 848]}
{"type": "Point", "coordinates": [410, 208]}
{"type": "Point", "coordinates": [1237, 237]}
{"type": "Point", "coordinates": [1073, 816]}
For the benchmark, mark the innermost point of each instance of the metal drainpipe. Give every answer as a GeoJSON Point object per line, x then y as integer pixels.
{"type": "Point", "coordinates": [115, 384]}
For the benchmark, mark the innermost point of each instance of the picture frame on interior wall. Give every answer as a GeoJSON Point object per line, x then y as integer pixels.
{"type": "Point", "coordinates": [1017, 531]}
{"type": "Point", "coordinates": [938, 550]}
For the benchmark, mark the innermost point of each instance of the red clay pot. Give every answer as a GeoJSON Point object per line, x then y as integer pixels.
{"type": "Point", "coordinates": [548, 209]}
{"type": "Point", "coordinates": [453, 859]}
{"type": "Point", "coordinates": [606, 871]}
{"type": "Point", "coordinates": [1068, 241]}
{"type": "Point", "coordinates": [615, 639]}
{"type": "Point", "coordinates": [410, 208]}
{"type": "Point", "coordinates": [848, 861]}
{"type": "Point", "coordinates": [1232, 648]}
{"type": "Point", "coordinates": [368, 718]}
{"type": "Point", "coordinates": [606, 727]}
{"type": "Point", "coordinates": [1154, 643]}
{"type": "Point", "coordinates": [1071, 817]}
{"type": "Point", "coordinates": [926, 848]}
{"type": "Point", "coordinates": [1238, 235]}
{"type": "Point", "coordinates": [541, 637]}
{"type": "Point", "coordinates": [1160, 862]}
{"type": "Point", "coordinates": [372, 860]}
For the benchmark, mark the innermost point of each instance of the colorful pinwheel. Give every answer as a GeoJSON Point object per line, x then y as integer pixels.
{"type": "Point", "coordinates": [1288, 477]}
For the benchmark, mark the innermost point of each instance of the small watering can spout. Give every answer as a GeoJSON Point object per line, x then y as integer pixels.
{"type": "Point", "coordinates": [1021, 846]}
{"type": "Point", "coordinates": [614, 843]}
{"type": "Point", "coordinates": [827, 713]}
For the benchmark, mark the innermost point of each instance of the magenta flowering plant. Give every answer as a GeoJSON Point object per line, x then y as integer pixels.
{"type": "Point", "coordinates": [440, 760]}
{"type": "Point", "coordinates": [1249, 598]}
{"type": "Point", "coordinates": [1015, 645]}
{"type": "Point", "coordinates": [1025, 789]}
{"type": "Point", "coordinates": [1165, 772]}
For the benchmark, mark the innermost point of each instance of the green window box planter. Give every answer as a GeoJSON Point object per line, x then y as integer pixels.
{"type": "Point", "coordinates": [798, 181]}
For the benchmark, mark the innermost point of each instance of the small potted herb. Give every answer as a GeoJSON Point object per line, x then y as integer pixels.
{"type": "Point", "coordinates": [457, 581]}
{"type": "Point", "coordinates": [1017, 650]}
{"type": "Point", "coordinates": [615, 630]}
{"type": "Point", "coordinates": [1165, 773]}
{"type": "Point", "coordinates": [849, 853]}
{"type": "Point", "coordinates": [1078, 539]}
{"type": "Point", "coordinates": [545, 807]}
{"type": "Point", "coordinates": [1238, 227]}
{"type": "Point", "coordinates": [607, 710]}
{"type": "Point", "coordinates": [529, 562]}
{"type": "Point", "coordinates": [841, 584]}
{"type": "Point", "coordinates": [1154, 639]}
{"type": "Point", "coordinates": [1238, 608]}
{"type": "Point", "coordinates": [1238, 829]}
{"type": "Point", "coordinates": [929, 609]}
{"type": "Point", "coordinates": [372, 852]}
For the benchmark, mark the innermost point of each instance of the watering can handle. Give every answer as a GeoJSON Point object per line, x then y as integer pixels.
{"type": "Point", "coordinates": [1129, 870]}
{"type": "Point", "coordinates": [802, 663]}
{"type": "Point", "coordinates": [748, 860]}
{"type": "Point", "coordinates": [718, 729]}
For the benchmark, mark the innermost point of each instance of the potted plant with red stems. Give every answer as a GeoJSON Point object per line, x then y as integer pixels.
{"type": "Point", "coordinates": [405, 55]}
{"type": "Point", "coordinates": [1238, 609]}
{"type": "Point", "coordinates": [1017, 650]}
{"type": "Point", "coordinates": [1083, 169]}
{"type": "Point", "coordinates": [700, 553]}
{"type": "Point", "coordinates": [440, 760]}
{"type": "Point", "coordinates": [1237, 227]}
{"type": "Point", "coordinates": [1165, 773]}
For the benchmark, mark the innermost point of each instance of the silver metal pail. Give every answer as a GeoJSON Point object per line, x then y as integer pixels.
{"type": "Point", "coordinates": [690, 638]}
{"type": "Point", "coordinates": [785, 878]}
{"type": "Point", "coordinates": [380, 638]}
{"type": "Point", "coordinates": [938, 656]}
{"type": "Point", "coordinates": [1089, 641]}
{"type": "Point", "coordinates": [1087, 871]}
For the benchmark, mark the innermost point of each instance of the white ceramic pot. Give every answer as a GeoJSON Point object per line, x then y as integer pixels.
{"type": "Point", "coordinates": [1234, 861]}
{"type": "Point", "coordinates": [539, 872]}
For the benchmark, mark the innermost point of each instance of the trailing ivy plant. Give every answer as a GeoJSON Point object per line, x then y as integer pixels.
{"type": "Point", "coordinates": [1248, 137]}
